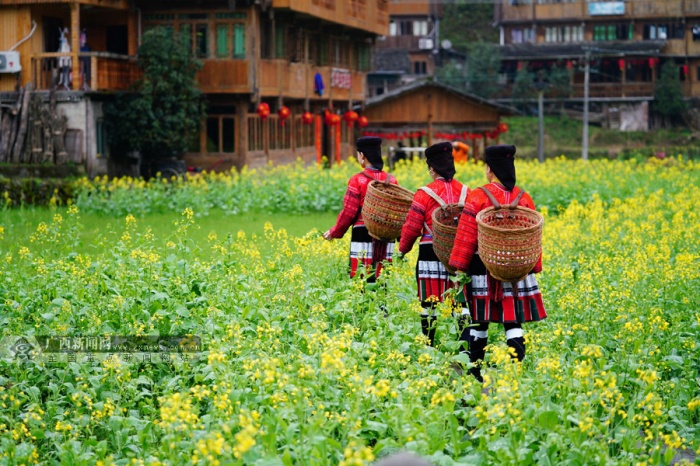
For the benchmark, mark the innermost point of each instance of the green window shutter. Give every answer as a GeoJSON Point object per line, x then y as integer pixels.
{"type": "Point", "coordinates": [612, 33]}
{"type": "Point", "coordinates": [280, 39]}
{"type": "Point", "coordinates": [222, 41]}
{"type": "Point", "coordinates": [631, 31]}
{"type": "Point", "coordinates": [239, 41]}
{"type": "Point", "coordinates": [323, 52]}
{"type": "Point", "coordinates": [186, 34]}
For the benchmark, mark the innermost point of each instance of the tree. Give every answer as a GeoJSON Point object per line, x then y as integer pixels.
{"type": "Point", "coordinates": [483, 69]}
{"type": "Point", "coordinates": [164, 109]}
{"type": "Point", "coordinates": [668, 94]}
{"type": "Point", "coordinates": [524, 85]}
{"type": "Point", "coordinates": [465, 23]}
{"type": "Point", "coordinates": [559, 81]}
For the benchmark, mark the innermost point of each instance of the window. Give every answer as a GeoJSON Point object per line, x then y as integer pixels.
{"type": "Point", "coordinates": [696, 32]}
{"type": "Point", "coordinates": [392, 28]}
{"type": "Point", "coordinates": [101, 147]}
{"type": "Point", "coordinates": [406, 28]}
{"type": "Point", "coordinates": [677, 31]}
{"type": "Point", "coordinates": [221, 134]}
{"type": "Point", "coordinates": [516, 36]}
{"type": "Point", "coordinates": [420, 28]}
{"type": "Point", "coordinates": [197, 35]}
{"type": "Point", "coordinates": [655, 31]}
{"type": "Point", "coordinates": [280, 41]}
{"type": "Point", "coordinates": [363, 57]}
{"type": "Point", "coordinates": [616, 31]}
{"type": "Point", "coordinates": [529, 35]}
{"type": "Point", "coordinates": [420, 67]}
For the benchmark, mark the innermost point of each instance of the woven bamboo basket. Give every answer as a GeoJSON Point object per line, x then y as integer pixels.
{"type": "Point", "coordinates": [510, 241]}
{"type": "Point", "coordinates": [384, 210]}
{"type": "Point", "coordinates": [445, 221]}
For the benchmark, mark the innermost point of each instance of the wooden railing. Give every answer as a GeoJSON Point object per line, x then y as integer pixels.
{"type": "Point", "coordinates": [296, 80]}
{"type": "Point", "coordinates": [369, 15]}
{"type": "Point", "coordinates": [641, 9]}
{"type": "Point", "coordinates": [544, 10]}
{"type": "Point", "coordinates": [561, 10]}
{"type": "Point", "coordinates": [99, 71]}
{"type": "Point", "coordinates": [227, 76]}
{"type": "Point", "coordinates": [597, 90]}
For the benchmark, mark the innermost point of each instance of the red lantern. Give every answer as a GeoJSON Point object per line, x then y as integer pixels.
{"type": "Point", "coordinates": [284, 113]}
{"type": "Point", "coordinates": [307, 118]}
{"type": "Point", "coordinates": [351, 117]}
{"type": "Point", "coordinates": [569, 65]}
{"type": "Point", "coordinates": [685, 70]}
{"type": "Point", "coordinates": [362, 121]}
{"type": "Point", "coordinates": [335, 119]}
{"type": "Point", "coordinates": [502, 128]}
{"type": "Point", "coordinates": [621, 63]}
{"type": "Point", "coordinates": [478, 136]}
{"type": "Point", "coordinates": [264, 111]}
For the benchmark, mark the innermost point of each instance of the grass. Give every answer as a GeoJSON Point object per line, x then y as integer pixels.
{"type": "Point", "coordinates": [21, 223]}
{"type": "Point", "coordinates": [563, 137]}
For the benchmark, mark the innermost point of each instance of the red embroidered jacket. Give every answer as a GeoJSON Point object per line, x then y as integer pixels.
{"type": "Point", "coordinates": [422, 212]}
{"type": "Point", "coordinates": [467, 232]}
{"type": "Point", "coordinates": [355, 198]}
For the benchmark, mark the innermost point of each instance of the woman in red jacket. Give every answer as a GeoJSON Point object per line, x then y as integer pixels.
{"type": "Point", "coordinates": [492, 300]}
{"type": "Point", "coordinates": [431, 276]}
{"type": "Point", "coordinates": [363, 248]}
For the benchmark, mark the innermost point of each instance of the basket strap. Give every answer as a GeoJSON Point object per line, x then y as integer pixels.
{"type": "Point", "coordinates": [432, 194]}
{"type": "Point", "coordinates": [463, 196]}
{"type": "Point", "coordinates": [497, 205]}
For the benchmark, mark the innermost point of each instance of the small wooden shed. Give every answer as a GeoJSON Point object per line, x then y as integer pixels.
{"type": "Point", "coordinates": [428, 112]}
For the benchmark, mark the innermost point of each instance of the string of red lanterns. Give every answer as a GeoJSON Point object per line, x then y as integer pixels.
{"type": "Point", "coordinates": [307, 118]}
{"type": "Point", "coordinates": [393, 135]}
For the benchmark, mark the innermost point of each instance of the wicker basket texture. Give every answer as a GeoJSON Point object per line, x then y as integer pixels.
{"type": "Point", "coordinates": [445, 221]}
{"type": "Point", "coordinates": [384, 210]}
{"type": "Point", "coordinates": [510, 241]}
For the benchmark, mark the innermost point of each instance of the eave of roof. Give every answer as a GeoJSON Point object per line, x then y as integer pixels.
{"type": "Point", "coordinates": [575, 50]}
{"type": "Point", "coordinates": [421, 83]}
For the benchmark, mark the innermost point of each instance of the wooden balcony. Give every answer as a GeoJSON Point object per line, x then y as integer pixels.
{"type": "Point", "coordinates": [101, 71]}
{"type": "Point", "coordinates": [225, 76]}
{"type": "Point", "coordinates": [116, 4]}
{"type": "Point", "coordinates": [368, 15]}
{"type": "Point", "coordinates": [296, 80]}
{"type": "Point", "coordinates": [579, 10]}
{"type": "Point", "coordinates": [654, 9]}
{"type": "Point", "coordinates": [561, 11]}
{"type": "Point", "coordinates": [517, 13]}
{"type": "Point", "coordinates": [399, 42]}
{"type": "Point", "coordinates": [677, 47]}
{"type": "Point", "coordinates": [692, 7]}
{"type": "Point", "coordinates": [614, 90]}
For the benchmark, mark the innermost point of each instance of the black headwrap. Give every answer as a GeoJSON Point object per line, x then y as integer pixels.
{"type": "Point", "coordinates": [371, 147]}
{"type": "Point", "coordinates": [439, 156]}
{"type": "Point", "coordinates": [501, 160]}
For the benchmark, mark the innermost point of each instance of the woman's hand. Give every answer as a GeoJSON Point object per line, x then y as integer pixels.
{"type": "Point", "coordinates": [327, 236]}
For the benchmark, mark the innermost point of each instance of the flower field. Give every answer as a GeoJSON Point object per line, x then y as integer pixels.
{"type": "Point", "coordinates": [300, 368]}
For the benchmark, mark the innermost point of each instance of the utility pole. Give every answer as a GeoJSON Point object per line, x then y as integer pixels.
{"type": "Point", "coordinates": [541, 83]}
{"type": "Point", "coordinates": [586, 80]}
{"type": "Point", "coordinates": [540, 136]}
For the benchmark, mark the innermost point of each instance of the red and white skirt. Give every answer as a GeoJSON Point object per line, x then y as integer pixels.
{"type": "Point", "coordinates": [492, 300]}
{"type": "Point", "coordinates": [367, 251]}
{"type": "Point", "coordinates": [431, 276]}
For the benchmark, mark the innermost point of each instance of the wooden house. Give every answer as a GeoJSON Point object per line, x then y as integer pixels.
{"type": "Point", "coordinates": [626, 42]}
{"type": "Point", "coordinates": [305, 55]}
{"type": "Point", "coordinates": [425, 112]}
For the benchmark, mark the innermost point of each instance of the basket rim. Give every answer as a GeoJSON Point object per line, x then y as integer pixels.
{"type": "Point", "coordinates": [401, 190]}
{"type": "Point", "coordinates": [540, 220]}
